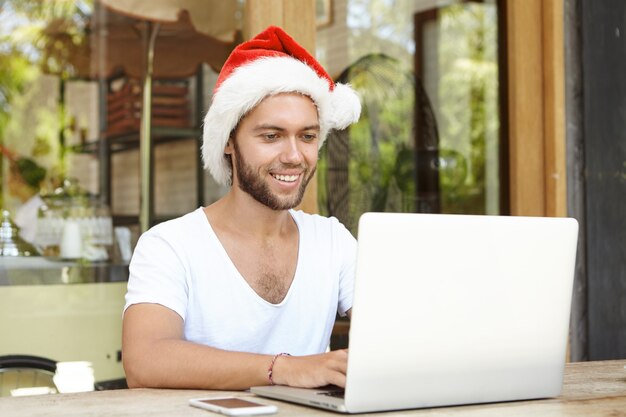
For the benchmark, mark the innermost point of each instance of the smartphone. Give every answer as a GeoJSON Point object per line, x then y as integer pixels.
{"type": "Point", "coordinates": [233, 406]}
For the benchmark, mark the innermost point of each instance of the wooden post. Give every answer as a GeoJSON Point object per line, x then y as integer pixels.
{"type": "Point", "coordinates": [298, 19]}
{"type": "Point", "coordinates": [554, 108]}
{"type": "Point", "coordinates": [536, 70]}
{"type": "Point", "coordinates": [536, 107]}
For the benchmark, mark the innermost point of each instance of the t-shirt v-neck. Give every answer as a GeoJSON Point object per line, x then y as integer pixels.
{"type": "Point", "coordinates": [235, 270]}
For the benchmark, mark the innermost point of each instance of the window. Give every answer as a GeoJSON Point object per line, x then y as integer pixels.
{"type": "Point", "coordinates": [429, 136]}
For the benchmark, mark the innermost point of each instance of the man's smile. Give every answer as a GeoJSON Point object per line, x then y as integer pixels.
{"type": "Point", "coordinates": [286, 178]}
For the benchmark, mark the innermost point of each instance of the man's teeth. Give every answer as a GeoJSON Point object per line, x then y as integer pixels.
{"type": "Point", "coordinates": [286, 178]}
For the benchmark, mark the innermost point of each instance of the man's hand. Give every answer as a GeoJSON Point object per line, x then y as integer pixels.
{"type": "Point", "coordinates": [312, 371]}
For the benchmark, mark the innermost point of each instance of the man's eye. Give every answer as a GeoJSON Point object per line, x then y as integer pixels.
{"type": "Point", "coordinates": [271, 136]}
{"type": "Point", "coordinates": [309, 137]}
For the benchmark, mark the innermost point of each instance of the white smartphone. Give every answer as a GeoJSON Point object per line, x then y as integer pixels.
{"type": "Point", "coordinates": [233, 406]}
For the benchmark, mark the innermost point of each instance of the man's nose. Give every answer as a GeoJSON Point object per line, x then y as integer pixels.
{"type": "Point", "coordinates": [291, 152]}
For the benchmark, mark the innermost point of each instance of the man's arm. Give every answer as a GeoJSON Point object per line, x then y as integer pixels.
{"type": "Point", "coordinates": [155, 354]}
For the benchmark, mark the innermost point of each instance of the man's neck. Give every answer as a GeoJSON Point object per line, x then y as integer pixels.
{"type": "Point", "coordinates": [239, 211]}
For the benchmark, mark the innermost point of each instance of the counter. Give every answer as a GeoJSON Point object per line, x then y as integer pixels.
{"type": "Point", "coordinates": [63, 311]}
{"type": "Point", "coordinates": [43, 271]}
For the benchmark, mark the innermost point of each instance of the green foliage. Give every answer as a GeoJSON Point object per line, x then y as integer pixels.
{"type": "Point", "coordinates": [15, 73]}
{"type": "Point", "coordinates": [49, 33]}
{"type": "Point", "coordinates": [468, 112]}
{"type": "Point", "coordinates": [380, 163]}
{"type": "Point", "coordinates": [463, 88]}
{"type": "Point", "coordinates": [37, 37]}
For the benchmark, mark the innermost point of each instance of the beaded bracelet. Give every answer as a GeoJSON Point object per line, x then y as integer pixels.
{"type": "Point", "coordinates": [270, 370]}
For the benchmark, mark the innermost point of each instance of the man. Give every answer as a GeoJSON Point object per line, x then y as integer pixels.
{"type": "Point", "coordinates": [24, 182]}
{"type": "Point", "coordinates": [245, 291]}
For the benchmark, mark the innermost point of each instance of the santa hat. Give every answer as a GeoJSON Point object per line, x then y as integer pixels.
{"type": "Point", "coordinates": [270, 63]}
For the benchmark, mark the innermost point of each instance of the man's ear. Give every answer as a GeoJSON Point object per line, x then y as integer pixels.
{"type": "Point", "coordinates": [228, 149]}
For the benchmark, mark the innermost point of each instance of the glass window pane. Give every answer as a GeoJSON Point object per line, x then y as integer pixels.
{"type": "Point", "coordinates": [71, 98]}
{"type": "Point", "coordinates": [428, 138]}
{"type": "Point", "coordinates": [44, 45]}
{"type": "Point", "coordinates": [461, 76]}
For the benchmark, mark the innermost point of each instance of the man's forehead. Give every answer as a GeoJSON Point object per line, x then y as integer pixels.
{"type": "Point", "coordinates": [276, 100]}
{"type": "Point", "coordinates": [287, 94]}
{"type": "Point", "coordinates": [271, 126]}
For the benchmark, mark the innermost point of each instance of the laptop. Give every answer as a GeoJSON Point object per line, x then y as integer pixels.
{"type": "Point", "coordinates": [454, 309]}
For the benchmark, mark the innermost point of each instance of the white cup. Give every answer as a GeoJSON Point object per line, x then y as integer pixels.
{"type": "Point", "coordinates": [71, 240]}
{"type": "Point", "coordinates": [74, 377]}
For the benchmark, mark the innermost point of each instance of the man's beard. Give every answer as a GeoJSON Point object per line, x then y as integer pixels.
{"type": "Point", "coordinates": [253, 184]}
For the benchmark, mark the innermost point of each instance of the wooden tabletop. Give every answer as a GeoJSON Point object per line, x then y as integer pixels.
{"type": "Point", "coordinates": [590, 389]}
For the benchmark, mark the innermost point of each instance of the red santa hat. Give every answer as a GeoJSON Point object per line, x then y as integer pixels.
{"type": "Point", "coordinates": [270, 63]}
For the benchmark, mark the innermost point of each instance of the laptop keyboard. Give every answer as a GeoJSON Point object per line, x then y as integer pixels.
{"type": "Point", "coordinates": [333, 391]}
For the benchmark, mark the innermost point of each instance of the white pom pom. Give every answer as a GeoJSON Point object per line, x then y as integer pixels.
{"type": "Point", "coordinates": [345, 107]}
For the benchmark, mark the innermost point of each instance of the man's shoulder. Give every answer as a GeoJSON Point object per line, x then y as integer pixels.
{"type": "Point", "coordinates": [316, 222]}
{"type": "Point", "coordinates": [183, 225]}
{"type": "Point", "coordinates": [315, 219]}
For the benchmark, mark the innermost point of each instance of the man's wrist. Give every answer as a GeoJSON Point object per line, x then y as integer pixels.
{"type": "Point", "coordinates": [271, 368]}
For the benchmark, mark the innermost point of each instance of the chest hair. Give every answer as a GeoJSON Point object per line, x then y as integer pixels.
{"type": "Point", "coordinates": [268, 269]}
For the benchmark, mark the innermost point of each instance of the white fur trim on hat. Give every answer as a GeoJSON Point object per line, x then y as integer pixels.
{"type": "Point", "coordinates": [249, 84]}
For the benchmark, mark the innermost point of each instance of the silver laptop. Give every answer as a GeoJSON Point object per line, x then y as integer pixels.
{"type": "Point", "coordinates": [454, 309]}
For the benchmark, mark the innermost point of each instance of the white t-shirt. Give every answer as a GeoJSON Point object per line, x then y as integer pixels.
{"type": "Point", "coordinates": [182, 265]}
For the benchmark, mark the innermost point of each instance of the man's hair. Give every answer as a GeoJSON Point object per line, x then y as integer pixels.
{"type": "Point", "coordinates": [31, 172]}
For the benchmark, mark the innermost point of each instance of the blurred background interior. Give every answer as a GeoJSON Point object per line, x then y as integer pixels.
{"type": "Point", "coordinates": [492, 107]}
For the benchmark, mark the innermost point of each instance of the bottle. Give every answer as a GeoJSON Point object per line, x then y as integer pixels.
{"type": "Point", "coordinates": [71, 240]}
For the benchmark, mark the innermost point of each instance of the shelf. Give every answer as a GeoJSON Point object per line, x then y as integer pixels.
{"type": "Point", "coordinates": [130, 140]}
{"type": "Point", "coordinates": [173, 120]}
{"type": "Point", "coordinates": [86, 148]}
{"type": "Point", "coordinates": [128, 220]}
{"type": "Point", "coordinates": [126, 141]}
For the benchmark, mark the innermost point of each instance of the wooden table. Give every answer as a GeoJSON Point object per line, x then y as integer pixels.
{"type": "Point", "coordinates": [590, 389]}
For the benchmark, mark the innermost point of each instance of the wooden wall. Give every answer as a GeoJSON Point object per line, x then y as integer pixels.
{"type": "Point", "coordinates": [298, 19]}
